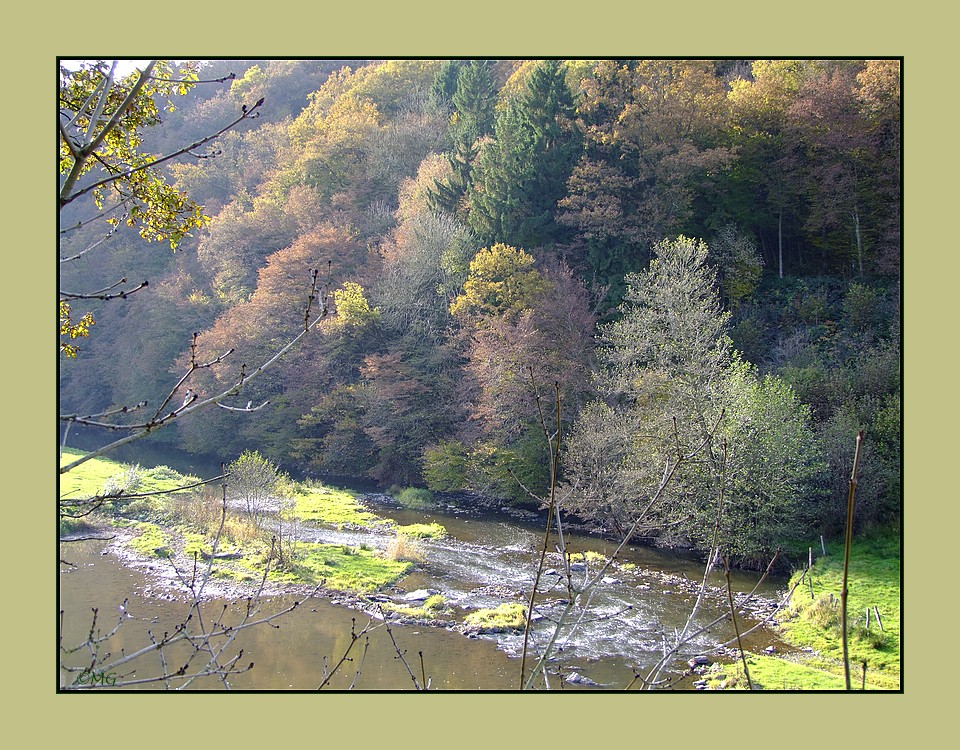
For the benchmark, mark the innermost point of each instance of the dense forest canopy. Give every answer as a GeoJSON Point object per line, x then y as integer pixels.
{"type": "Point", "coordinates": [689, 249]}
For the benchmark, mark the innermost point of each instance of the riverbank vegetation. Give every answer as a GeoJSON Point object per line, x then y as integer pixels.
{"type": "Point", "coordinates": [874, 602]}
{"type": "Point", "coordinates": [246, 541]}
{"type": "Point", "coordinates": [502, 618]}
{"type": "Point", "coordinates": [811, 626]}
{"type": "Point", "coordinates": [697, 261]}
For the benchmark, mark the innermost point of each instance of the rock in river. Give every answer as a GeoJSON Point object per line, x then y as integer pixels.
{"type": "Point", "coordinates": [575, 678]}
{"type": "Point", "coordinates": [420, 595]}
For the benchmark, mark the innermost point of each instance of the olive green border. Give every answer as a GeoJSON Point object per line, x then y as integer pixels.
{"type": "Point", "coordinates": [37, 33]}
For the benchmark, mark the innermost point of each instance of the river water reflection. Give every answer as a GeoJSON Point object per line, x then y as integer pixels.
{"type": "Point", "coordinates": [289, 657]}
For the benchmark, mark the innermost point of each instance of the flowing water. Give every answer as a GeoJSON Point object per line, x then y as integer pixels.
{"type": "Point", "coordinates": [485, 559]}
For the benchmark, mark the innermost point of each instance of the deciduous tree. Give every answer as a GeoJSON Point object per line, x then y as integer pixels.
{"type": "Point", "coordinates": [672, 385]}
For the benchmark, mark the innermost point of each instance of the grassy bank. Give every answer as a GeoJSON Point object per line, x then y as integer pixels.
{"type": "Point", "coordinates": [184, 523]}
{"type": "Point", "coordinates": [332, 506]}
{"type": "Point", "coordinates": [812, 623]}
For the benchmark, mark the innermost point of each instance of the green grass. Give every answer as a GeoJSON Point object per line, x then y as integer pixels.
{"type": "Point", "coordinates": [96, 476]}
{"type": "Point", "coordinates": [434, 607]}
{"type": "Point", "coordinates": [88, 478]}
{"type": "Point", "coordinates": [423, 530]}
{"type": "Point", "coordinates": [151, 540]}
{"type": "Point", "coordinates": [771, 673]}
{"type": "Point", "coordinates": [336, 567]}
{"type": "Point", "coordinates": [814, 620]}
{"type": "Point", "coordinates": [500, 619]}
{"type": "Point", "coordinates": [334, 507]}
{"type": "Point", "coordinates": [341, 568]}
{"type": "Point", "coordinates": [196, 543]}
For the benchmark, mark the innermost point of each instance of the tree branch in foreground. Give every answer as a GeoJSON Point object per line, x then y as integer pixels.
{"type": "Point", "coordinates": [192, 402]}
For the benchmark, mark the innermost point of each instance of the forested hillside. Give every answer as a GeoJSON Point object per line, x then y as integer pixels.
{"type": "Point", "coordinates": [697, 255]}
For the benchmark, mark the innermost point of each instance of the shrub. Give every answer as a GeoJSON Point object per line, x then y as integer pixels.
{"type": "Point", "coordinates": [812, 308]}
{"type": "Point", "coordinates": [445, 466]}
{"type": "Point", "coordinates": [164, 473]}
{"type": "Point", "coordinates": [824, 612]}
{"type": "Point", "coordinates": [739, 262]}
{"type": "Point", "coordinates": [253, 480]}
{"type": "Point", "coordinates": [201, 509]}
{"type": "Point", "coordinates": [862, 307]}
{"type": "Point", "coordinates": [749, 336]}
{"type": "Point", "coordinates": [405, 548]}
{"type": "Point", "coordinates": [126, 482]}
{"type": "Point", "coordinates": [241, 530]}
{"type": "Point", "coordinates": [415, 497]}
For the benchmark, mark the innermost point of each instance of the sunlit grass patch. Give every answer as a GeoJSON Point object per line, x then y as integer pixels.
{"type": "Point", "coordinates": [151, 540]}
{"type": "Point", "coordinates": [772, 673]}
{"type": "Point", "coordinates": [506, 617]}
{"type": "Point", "coordinates": [341, 568]}
{"type": "Point", "coordinates": [88, 478]}
{"type": "Point", "coordinates": [334, 507]}
{"type": "Point", "coordinates": [590, 557]}
{"type": "Point", "coordinates": [433, 607]}
{"type": "Point", "coordinates": [201, 545]}
{"type": "Point", "coordinates": [100, 475]}
{"type": "Point", "coordinates": [423, 530]}
{"type": "Point", "coordinates": [874, 582]}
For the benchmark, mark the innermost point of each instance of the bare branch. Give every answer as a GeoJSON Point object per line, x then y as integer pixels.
{"type": "Point", "coordinates": [113, 230]}
{"type": "Point", "coordinates": [248, 408]}
{"type": "Point", "coordinates": [354, 637]}
{"type": "Point", "coordinates": [401, 655]}
{"type": "Point", "coordinates": [103, 293]}
{"type": "Point", "coordinates": [222, 79]}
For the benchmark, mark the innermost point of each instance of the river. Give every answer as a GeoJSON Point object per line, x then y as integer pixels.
{"type": "Point", "coordinates": [486, 558]}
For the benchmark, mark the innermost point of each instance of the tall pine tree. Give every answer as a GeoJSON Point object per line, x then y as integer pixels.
{"type": "Point", "coordinates": [473, 117]}
{"type": "Point", "coordinates": [523, 173]}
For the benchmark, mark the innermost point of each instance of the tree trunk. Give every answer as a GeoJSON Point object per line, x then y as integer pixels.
{"type": "Point", "coordinates": [856, 230]}
{"type": "Point", "coordinates": [780, 240]}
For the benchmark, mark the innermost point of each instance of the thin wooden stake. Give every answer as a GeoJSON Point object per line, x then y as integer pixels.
{"type": "Point", "coordinates": [879, 621]}
{"type": "Point", "coordinates": [736, 628]}
{"type": "Point", "coordinates": [846, 561]}
{"type": "Point", "coordinates": [823, 547]}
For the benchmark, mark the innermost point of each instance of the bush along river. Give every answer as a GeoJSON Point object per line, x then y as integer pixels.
{"type": "Point", "coordinates": [446, 616]}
